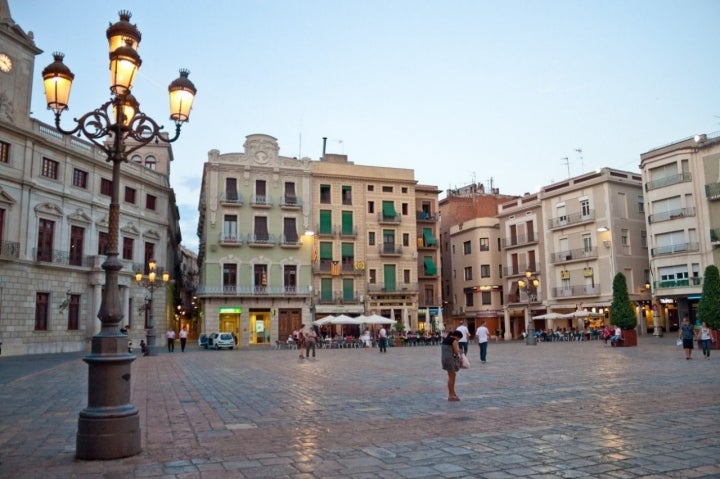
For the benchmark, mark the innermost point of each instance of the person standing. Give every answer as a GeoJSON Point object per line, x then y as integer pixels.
{"type": "Point", "coordinates": [706, 336]}
{"type": "Point", "coordinates": [383, 339]}
{"type": "Point", "coordinates": [170, 335]}
{"type": "Point", "coordinates": [183, 339]}
{"type": "Point", "coordinates": [463, 342]}
{"type": "Point", "coordinates": [300, 339]}
{"type": "Point", "coordinates": [483, 334]}
{"type": "Point", "coordinates": [687, 334]}
{"type": "Point", "coordinates": [450, 361]}
{"type": "Point", "coordinates": [310, 339]}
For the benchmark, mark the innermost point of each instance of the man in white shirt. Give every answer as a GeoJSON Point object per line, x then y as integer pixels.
{"type": "Point", "coordinates": [383, 339]}
{"type": "Point", "coordinates": [463, 342]}
{"type": "Point", "coordinates": [483, 335]}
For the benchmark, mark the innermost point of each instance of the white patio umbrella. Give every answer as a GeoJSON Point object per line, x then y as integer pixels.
{"type": "Point", "coordinates": [376, 319]}
{"type": "Point", "coordinates": [551, 316]}
{"type": "Point", "coordinates": [325, 320]}
{"type": "Point", "coordinates": [345, 319]}
{"type": "Point", "coordinates": [582, 314]}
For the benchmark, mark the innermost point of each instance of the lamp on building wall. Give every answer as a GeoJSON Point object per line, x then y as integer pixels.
{"type": "Point", "coordinates": [529, 284]}
{"type": "Point", "coordinates": [150, 282]}
{"type": "Point", "coordinates": [109, 428]}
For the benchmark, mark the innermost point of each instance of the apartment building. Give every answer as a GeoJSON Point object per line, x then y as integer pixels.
{"type": "Point", "coordinates": [477, 272]}
{"type": "Point", "coordinates": [521, 231]}
{"type": "Point", "coordinates": [594, 228]}
{"type": "Point", "coordinates": [54, 207]}
{"type": "Point", "coordinates": [255, 243]}
{"type": "Point", "coordinates": [429, 285]}
{"type": "Point", "coordinates": [682, 200]}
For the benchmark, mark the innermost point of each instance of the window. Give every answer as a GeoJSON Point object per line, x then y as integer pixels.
{"type": "Point", "coordinates": [347, 251]}
{"type": "Point", "coordinates": [128, 246]}
{"type": "Point", "coordinates": [325, 194]}
{"type": "Point", "coordinates": [4, 152]}
{"type": "Point", "coordinates": [484, 244]}
{"type": "Point", "coordinates": [260, 192]}
{"type": "Point", "coordinates": [46, 231]}
{"type": "Point", "coordinates": [624, 237]}
{"type": "Point", "coordinates": [290, 231]}
{"type": "Point", "coordinates": [347, 195]}
{"type": "Point", "coordinates": [260, 277]}
{"type": "Point", "coordinates": [469, 298]}
{"type": "Point", "coordinates": [148, 256]}
{"type": "Point", "coordinates": [290, 278]}
{"type": "Point", "coordinates": [468, 273]}
{"type": "Point", "coordinates": [325, 222]}
{"type": "Point", "coordinates": [231, 193]}
{"type": "Point", "coordinates": [370, 187]}
{"type": "Point", "coordinates": [372, 276]}
{"type": "Point", "coordinates": [230, 228]}
{"type": "Point", "coordinates": [404, 209]}
{"type": "Point", "coordinates": [106, 187]}
{"type": "Point", "coordinates": [137, 159]}
{"type": "Point", "coordinates": [484, 270]}
{"type": "Point", "coordinates": [587, 243]}
{"type": "Point", "coordinates": [641, 204]}
{"type": "Point", "coordinates": [406, 239]}
{"type": "Point", "coordinates": [387, 189]}
{"type": "Point", "coordinates": [290, 196]}
{"type": "Point", "coordinates": [80, 178]}
{"type": "Point", "coordinates": [42, 306]}
{"type": "Point", "coordinates": [150, 162]}
{"type": "Point", "coordinates": [326, 255]}
{"type": "Point", "coordinates": [77, 238]}
{"type": "Point", "coordinates": [103, 242]}
{"type": "Point", "coordinates": [229, 277]}
{"type": "Point", "coordinates": [371, 207]}
{"type": "Point", "coordinates": [371, 238]}
{"type": "Point", "coordinates": [467, 247]}
{"type": "Point", "coordinates": [49, 168]}
{"type": "Point", "coordinates": [404, 190]}
{"type": "Point", "coordinates": [73, 310]}
{"type": "Point", "coordinates": [406, 276]}
{"type": "Point", "coordinates": [261, 229]}
{"type": "Point", "coordinates": [348, 228]}
{"type": "Point", "coordinates": [485, 298]}
{"type": "Point", "coordinates": [150, 202]}
{"type": "Point", "coordinates": [561, 214]}
{"type": "Point", "coordinates": [585, 208]}
{"type": "Point", "coordinates": [130, 195]}
{"type": "Point", "coordinates": [643, 239]}
{"type": "Point", "coordinates": [348, 285]}
{"type": "Point", "coordinates": [326, 292]}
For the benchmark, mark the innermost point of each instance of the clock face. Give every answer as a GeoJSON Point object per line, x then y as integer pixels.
{"type": "Point", "coordinates": [5, 63]}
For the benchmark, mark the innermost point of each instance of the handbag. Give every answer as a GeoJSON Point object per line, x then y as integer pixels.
{"type": "Point", "coordinates": [678, 342]}
{"type": "Point", "coordinates": [464, 362]}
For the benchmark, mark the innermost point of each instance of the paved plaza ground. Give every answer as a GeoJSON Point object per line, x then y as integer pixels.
{"type": "Point", "coordinates": [569, 410]}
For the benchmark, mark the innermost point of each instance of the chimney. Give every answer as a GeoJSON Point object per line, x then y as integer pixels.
{"type": "Point", "coordinates": [324, 145]}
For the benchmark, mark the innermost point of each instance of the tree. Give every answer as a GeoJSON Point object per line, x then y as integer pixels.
{"type": "Point", "coordinates": [621, 311]}
{"type": "Point", "coordinates": [709, 305]}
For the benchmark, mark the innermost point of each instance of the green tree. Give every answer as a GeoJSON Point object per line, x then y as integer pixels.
{"type": "Point", "coordinates": [709, 305]}
{"type": "Point", "coordinates": [621, 311]}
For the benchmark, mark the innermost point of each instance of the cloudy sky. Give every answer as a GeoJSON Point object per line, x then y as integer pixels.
{"type": "Point", "coordinates": [513, 94]}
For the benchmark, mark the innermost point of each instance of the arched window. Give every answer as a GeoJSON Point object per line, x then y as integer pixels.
{"type": "Point", "coordinates": [150, 162]}
{"type": "Point", "coordinates": [137, 159]}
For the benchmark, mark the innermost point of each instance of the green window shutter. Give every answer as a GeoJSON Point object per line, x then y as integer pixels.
{"type": "Point", "coordinates": [348, 289]}
{"type": "Point", "coordinates": [326, 250]}
{"type": "Point", "coordinates": [348, 250]}
{"type": "Point", "coordinates": [389, 277]}
{"type": "Point", "coordinates": [430, 268]}
{"type": "Point", "coordinates": [325, 222]}
{"type": "Point", "coordinates": [347, 222]}
{"type": "Point", "coordinates": [428, 237]}
{"type": "Point", "coordinates": [388, 208]}
{"type": "Point", "coordinates": [326, 293]}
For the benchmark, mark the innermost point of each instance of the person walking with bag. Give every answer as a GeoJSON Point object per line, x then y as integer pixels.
{"type": "Point", "coordinates": [451, 361]}
{"type": "Point", "coordinates": [483, 334]}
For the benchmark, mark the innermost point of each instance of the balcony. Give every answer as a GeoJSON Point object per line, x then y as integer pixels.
{"type": "Point", "coordinates": [231, 198]}
{"type": "Point", "coordinates": [519, 270]}
{"type": "Point", "coordinates": [348, 232]}
{"type": "Point", "coordinates": [290, 203]}
{"type": "Point", "coordinates": [572, 219]}
{"type": "Point", "coordinates": [230, 240]}
{"type": "Point", "coordinates": [671, 215]}
{"type": "Point", "coordinates": [519, 240]}
{"type": "Point", "coordinates": [261, 201]}
{"type": "Point", "coordinates": [675, 249]}
{"type": "Point", "coordinates": [234, 290]}
{"type": "Point", "coordinates": [580, 254]}
{"type": "Point", "coordinates": [425, 217]}
{"type": "Point", "coordinates": [338, 298]}
{"type": "Point", "coordinates": [389, 219]}
{"type": "Point", "coordinates": [402, 288]}
{"type": "Point", "coordinates": [390, 249]}
{"type": "Point", "coordinates": [326, 232]}
{"type": "Point", "coordinates": [522, 298]}
{"type": "Point", "coordinates": [683, 177]}
{"type": "Point", "coordinates": [576, 290]}
{"type": "Point", "coordinates": [678, 283]}
{"type": "Point", "coordinates": [292, 241]}
{"type": "Point", "coordinates": [55, 256]}
{"type": "Point", "coordinates": [715, 236]}
{"type": "Point", "coordinates": [712, 191]}
{"type": "Point", "coordinates": [9, 250]}
{"type": "Point", "coordinates": [263, 240]}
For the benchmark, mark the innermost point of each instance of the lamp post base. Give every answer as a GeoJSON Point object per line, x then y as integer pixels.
{"type": "Point", "coordinates": [109, 428]}
{"type": "Point", "coordinates": [151, 348]}
{"type": "Point", "coordinates": [531, 340]}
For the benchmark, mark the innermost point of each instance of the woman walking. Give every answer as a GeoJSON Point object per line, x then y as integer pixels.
{"type": "Point", "coordinates": [706, 336]}
{"type": "Point", "coordinates": [450, 360]}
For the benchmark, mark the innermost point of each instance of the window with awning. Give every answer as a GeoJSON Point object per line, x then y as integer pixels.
{"type": "Point", "coordinates": [325, 222]}
{"type": "Point", "coordinates": [326, 293]}
{"type": "Point", "coordinates": [428, 237]}
{"type": "Point", "coordinates": [430, 268]}
{"type": "Point", "coordinates": [388, 209]}
{"type": "Point", "coordinates": [348, 289]}
{"type": "Point", "coordinates": [325, 250]}
{"type": "Point", "coordinates": [347, 222]}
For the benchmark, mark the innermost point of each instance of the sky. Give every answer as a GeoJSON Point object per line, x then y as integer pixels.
{"type": "Point", "coordinates": [509, 93]}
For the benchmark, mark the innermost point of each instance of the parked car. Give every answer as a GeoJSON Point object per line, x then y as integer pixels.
{"type": "Point", "coordinates": [221, 340]}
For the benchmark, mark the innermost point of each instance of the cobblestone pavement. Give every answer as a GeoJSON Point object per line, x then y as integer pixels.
{"type": "Point", "coordinates": [553, 410]}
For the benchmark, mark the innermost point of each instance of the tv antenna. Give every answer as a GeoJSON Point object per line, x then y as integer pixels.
{"type": "Point", "coordinates": [566, 161]}
{"type": "Point", "coordinates": [580, 158]}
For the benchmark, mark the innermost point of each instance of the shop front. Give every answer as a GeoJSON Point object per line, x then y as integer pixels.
{"type": "Point", "coordinates": [229, 321]}
{"type": "Point", "coordinates": [260, 326]}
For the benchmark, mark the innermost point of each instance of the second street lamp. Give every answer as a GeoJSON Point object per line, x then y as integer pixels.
{"type": "Point", "coordinates": [529, 284]}
{"type": "Point", "coordinates": [109, 428]}
{"type": "Point", "coordinates": [150, 283]}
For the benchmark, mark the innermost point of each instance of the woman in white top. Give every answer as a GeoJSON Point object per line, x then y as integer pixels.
{"type": "Point", "coordinates": [706, 336]}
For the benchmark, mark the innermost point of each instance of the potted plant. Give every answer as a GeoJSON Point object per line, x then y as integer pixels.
{"type": "Point", "coordinates": [399, 329]}
{"type": "Point", "coordinates": [622, 313]}
{"type": "Point", "coordinates": [708, 308]}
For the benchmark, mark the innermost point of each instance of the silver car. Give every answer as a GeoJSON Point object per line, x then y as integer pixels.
{"type": "Point", "coordinates": [221, 340]}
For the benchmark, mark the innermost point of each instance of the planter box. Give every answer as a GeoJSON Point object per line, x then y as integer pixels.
{"type": "Point", "coordinates": [629, 339]}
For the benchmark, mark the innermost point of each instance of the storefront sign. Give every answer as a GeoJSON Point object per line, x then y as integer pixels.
{"type": "Point", "coordinates": [230, 310]}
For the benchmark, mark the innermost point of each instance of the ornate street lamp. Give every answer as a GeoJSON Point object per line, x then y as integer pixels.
{"type": "Point", "coordinates": [109, 428]}
{"type": "Point", "coordinates": [530, 283]}
{"type": "Point", "coordinates": [149, 282]}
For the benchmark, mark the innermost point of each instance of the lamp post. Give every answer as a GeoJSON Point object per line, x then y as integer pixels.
{"type": "Point", "coordinates": [150, 283]}
{"type": "Point", "coordinates": [528, 284]}
{"type": "Point", "coordinates": [109, 428]}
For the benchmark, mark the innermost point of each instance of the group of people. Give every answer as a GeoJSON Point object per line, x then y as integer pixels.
{"type": "Point", "coordinates": [687, 333]}
{"type": "Point", "coordinates": [170, 336]}
{"type": "Point", "coordinates": [452, 349]}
